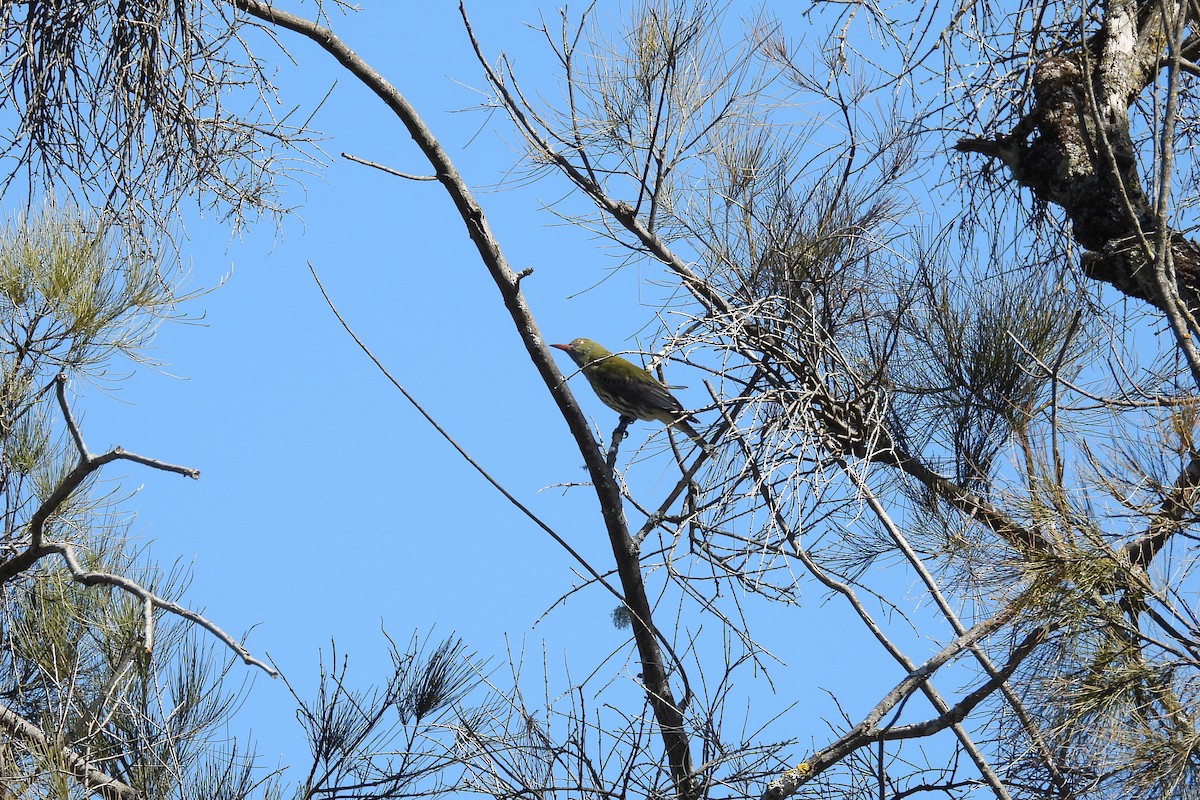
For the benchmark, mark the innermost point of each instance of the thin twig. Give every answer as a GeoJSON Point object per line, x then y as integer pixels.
{"type": "Point", "coordinates": [388, 170]}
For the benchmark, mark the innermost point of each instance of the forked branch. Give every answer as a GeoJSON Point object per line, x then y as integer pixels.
{"type": "Point", "coordinates": [871, 730]}
{"type": "Point", "coordinates": [38, 547]}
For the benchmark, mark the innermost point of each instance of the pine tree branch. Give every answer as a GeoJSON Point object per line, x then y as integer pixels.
{"type": "Point", "coordinates": [86, 466]}
{"type": "Point", "coordinates": [39, 548]}
{"type": "Point", "coordinates": [93, 780]}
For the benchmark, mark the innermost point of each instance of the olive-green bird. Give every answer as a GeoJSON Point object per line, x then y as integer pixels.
{"type": "Point", "coordinates": [627, 388]}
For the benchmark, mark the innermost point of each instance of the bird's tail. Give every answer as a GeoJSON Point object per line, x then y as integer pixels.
{"type": "Point", "coordinates": [684, 425]}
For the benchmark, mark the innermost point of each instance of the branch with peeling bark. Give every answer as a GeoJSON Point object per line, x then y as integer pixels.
{"type": "Point", "coordinates": [1074, 148]}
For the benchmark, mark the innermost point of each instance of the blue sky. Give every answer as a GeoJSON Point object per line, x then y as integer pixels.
{"type": "Point", "coordinates": [326, 507]}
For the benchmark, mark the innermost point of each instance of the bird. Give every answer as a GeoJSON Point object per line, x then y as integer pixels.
{"type": "Point", "coordinates": [627, 388]}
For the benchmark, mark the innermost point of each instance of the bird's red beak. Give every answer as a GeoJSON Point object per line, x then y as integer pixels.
{"type": "Point", "coordinates": [566, 347]}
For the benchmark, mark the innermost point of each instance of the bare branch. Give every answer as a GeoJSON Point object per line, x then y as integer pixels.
{"type": "Point", "coordinates": [87, 465]}
{"type": "Point", "coordinates": [869, 730]}
{"type": "Point", "coordinates": [91, 578]}
{"type": "Point", "coordinates": [389, 170]}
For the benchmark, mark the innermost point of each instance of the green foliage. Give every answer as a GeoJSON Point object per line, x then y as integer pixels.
{"type": "Point", "coordinates": [973, 367]}
{"type": "Point", "coordinates": [132, 107]}
{"type": "Point", "coordinates": [72, 295]}
{"type": "Point", "coordinates": [84, 684]}
{"type": "Point", "coordinates": [378, 743]}
{"type": "Point", "coordinates": [75, 664]}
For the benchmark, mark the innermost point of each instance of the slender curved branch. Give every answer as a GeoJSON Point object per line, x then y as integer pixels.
{"type": "Point", "coordinates": [487, 476]}
{"type": "Point", "coordinates": [653, 670]}
{"type": "Point", "coordinates": [94, 578]}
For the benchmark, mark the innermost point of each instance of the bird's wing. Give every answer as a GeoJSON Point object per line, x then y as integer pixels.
{"type": "Point", "coordinates": [646, 387]}
{"type": "Point", "coordinates": [663, 396]}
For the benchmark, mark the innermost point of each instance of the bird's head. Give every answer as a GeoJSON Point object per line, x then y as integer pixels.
{"type": "Point", "coordinates": [583, 351]}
